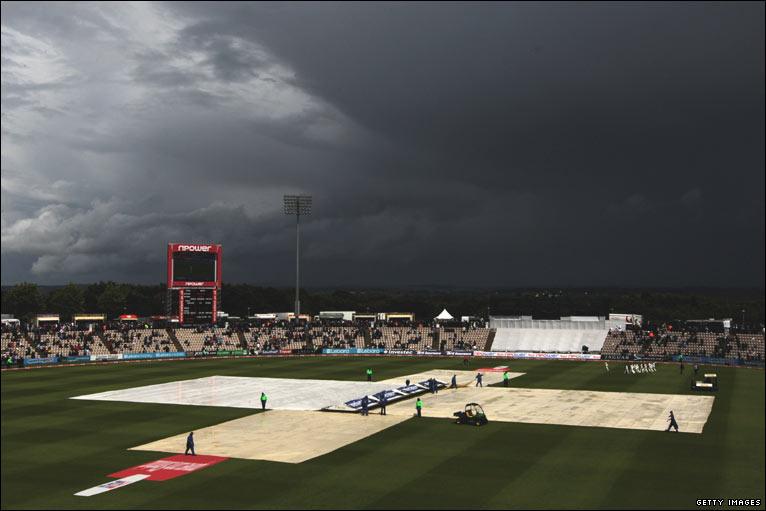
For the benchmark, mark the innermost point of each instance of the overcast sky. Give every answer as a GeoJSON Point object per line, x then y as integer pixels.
{"type": "Point", "coordinates": [488, 145]}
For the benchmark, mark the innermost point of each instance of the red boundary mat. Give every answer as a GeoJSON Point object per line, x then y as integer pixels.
{"type": "Point", "coordinates": [498, 369]}
{"type": "Point", "coordinates": [171, 467]}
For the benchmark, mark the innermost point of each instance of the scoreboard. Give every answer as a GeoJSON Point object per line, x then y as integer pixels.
{"type": "Point", "coordinates": [194, 282]}
{"type": "Point", "coordinates": [194, 265]}
{"type": "Point", "coordinates": [197, 306]}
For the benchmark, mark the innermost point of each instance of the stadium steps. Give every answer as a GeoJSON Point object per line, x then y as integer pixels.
{"type": "Point", "coordinates": [172, 334]}
{"type": "Point", "coordinates": [106, 341]}
{"type": "Point", "coordinates": [33, 344]}
{"type": "Point", "coordinates": [490, 339]}
{"type": "Point", "coordinates": [436, 336]}
{"type": "Point", "coordinates": [242, 340]}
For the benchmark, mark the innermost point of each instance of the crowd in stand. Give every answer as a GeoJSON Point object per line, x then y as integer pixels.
{"type": "Point", "coordinates": [68, 339]}
{"type": "Point", "coordinates": [402, 337]}
{"type": "Point", "coordinates": [669, 344]}
{"type": "Point", "coordinates": [126, 338]}
{"type": "Point", "coordinates": [14, 345]}
{"type": "Point", "coordinates": [63, 339]}
{"type": "Point", "coordinates": [276, 335]}
{"type": "Point", "coordinates": [314, 336]}
{"type": "Point", "coordinates": [207, 338]}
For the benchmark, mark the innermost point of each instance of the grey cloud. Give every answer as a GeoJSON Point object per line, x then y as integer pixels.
{"type": "Point", "coordinates": [491, 144]}
{"type": "Point", "coordinates": [156, 68]}
{"type": "Point", "coordinates": [691, 198]}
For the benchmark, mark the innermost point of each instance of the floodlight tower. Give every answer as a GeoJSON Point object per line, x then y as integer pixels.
{"type": "Point", "coordinates": [297, 205]}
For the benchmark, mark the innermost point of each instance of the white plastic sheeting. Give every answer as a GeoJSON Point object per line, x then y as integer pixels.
{"type": "Point", "coordinates": [548, 339]}
{"type": "Point", "coordinates": [565, 323]}
{"type": "Point", "coordinates": [245, 392]}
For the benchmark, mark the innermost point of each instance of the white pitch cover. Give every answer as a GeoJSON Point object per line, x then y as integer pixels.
{"type": "Point", "coordinates": [111, 485]}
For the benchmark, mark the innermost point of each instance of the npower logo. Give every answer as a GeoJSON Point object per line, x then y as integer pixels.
{"type": "Point", "coordinates": [194, 248]}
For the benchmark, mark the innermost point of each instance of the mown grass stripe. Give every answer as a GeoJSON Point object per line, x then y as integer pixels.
{"type": "Point", "coordinates": [54, 446]}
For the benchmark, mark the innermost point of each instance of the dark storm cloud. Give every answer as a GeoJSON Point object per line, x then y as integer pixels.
{"type": "Point", "coordinates": [486, 144]}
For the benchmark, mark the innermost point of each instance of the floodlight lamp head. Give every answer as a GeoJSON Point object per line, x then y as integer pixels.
{"type": "Point", "coordinates": [297, 205]}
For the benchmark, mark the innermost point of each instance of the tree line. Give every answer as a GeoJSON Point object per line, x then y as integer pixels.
{"type": "Point", "coordinates": [27, 299]}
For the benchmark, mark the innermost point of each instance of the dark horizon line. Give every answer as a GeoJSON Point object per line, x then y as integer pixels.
{"type": "Point", "coordinates": [440, 287]}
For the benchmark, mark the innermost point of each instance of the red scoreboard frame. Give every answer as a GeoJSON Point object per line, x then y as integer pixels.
{"type": "Point", "coordinates": [181, 285]}
{"type": "Point", "coordinates": [190, 247]}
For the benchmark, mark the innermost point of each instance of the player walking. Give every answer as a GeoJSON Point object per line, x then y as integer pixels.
{"type": "Point", "coordinates": [383, 401]}
{"type": "Point", "coordinates": [365, 406]}
{"type": "Point", "coordinates": [606, 365]}
{"type": "Point", "coordinates": [673, 423]}
{"type": "Point", "coordinates": [506, 378]}
{"type": "Point", "coordinates": [419, 406]}
{"type": "Point", "coordinates": [369, 374]}
{"type": "Point", "coordinates": [263, 401]}
{"type": "Point", "coordinates": [479, 376]}
{"type": "Point", "coordinates": [190, 444]}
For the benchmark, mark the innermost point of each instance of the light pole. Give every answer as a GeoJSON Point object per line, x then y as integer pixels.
{"type": "Point", "coordinates": [297, 205]}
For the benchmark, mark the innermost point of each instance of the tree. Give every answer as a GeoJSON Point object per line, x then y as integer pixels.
{"type": "Point", "coordinates": [92, 294]}
{"type": "Point", "coordinates": [113, 299]}
{"type": "Point", "coordinates": [67, 300]}
{"type": "Point", "coordinates": [24, 301]}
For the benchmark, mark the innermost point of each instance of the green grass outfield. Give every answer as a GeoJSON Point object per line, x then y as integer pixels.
{"type": "Point", "coordinates": [53, 447]}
